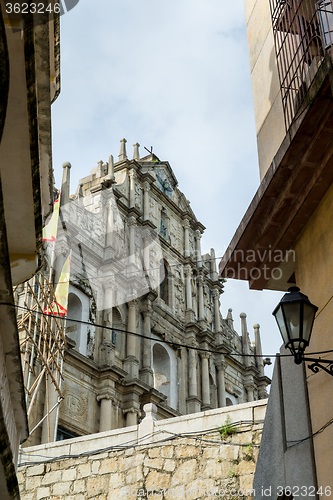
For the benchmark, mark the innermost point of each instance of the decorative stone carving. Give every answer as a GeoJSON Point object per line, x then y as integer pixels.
{"type": "Point", "coordinates": [75, 406]}
{"type": "Point", "coordinates": [138, 196]}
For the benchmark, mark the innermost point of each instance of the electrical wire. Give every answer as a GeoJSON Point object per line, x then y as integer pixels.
{"type": "Point", "coordinates": [141, 442]}
{"type": "Point", "coordinates": [319, 431]}
{"type": "Point", "coordinates": [169, 342]}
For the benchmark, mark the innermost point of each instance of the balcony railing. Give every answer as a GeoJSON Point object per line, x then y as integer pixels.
{"type": "Point", "coordinates": [302, 30]}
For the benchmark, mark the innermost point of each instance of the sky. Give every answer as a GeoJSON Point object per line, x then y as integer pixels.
{"type": "Point", "coordinates": [175, 76]}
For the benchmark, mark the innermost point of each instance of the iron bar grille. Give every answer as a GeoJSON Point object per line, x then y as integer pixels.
{"type": "Point", "coordinates": [302, 30]}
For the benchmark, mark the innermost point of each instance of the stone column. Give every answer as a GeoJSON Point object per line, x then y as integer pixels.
{"type": "Point", "coordinates": [217, 324]}
{"type": "Point", "coordinates": [193, 388]}
{"type": "Point", "coordinates": [213, 270]}
{"type": "Point", "coordinates": [131, 363]}
{"type": "Point", "coordinates": [131, 416]}
{"type": "Point", "coordinates": [192, 402]}
{"type": "Point", "coordinates": [186, 238]}
{"type": "Point", "coordinates": [198, 248]}
{"type": "Point", "coordinates": [188, 275]}
{"type": "Point", "coordinates": [146, 188]}
{"type": "Point", "coordinates": [107, 347]}
{"type": "Point", "coordinates": [132, 225]}
{"type": "Point", "coordinates": [146, 243]}
{"type": "Point", "coordinates": [132, 188]}
{"type": "Point", "coordinates": [171, 284]}
{"type": "Point", "coordinates": [250, 391]}
{"type": "Point", "coordinates": [205, 380]}
{"type": "Point", "coordinates": [200, 298]}
{"type": "Point", "coordinates": [147, 372]}
{"type": "Point", "coordinates": [220, 365]}
{"type": "Point", "coordinates": [65, 184]}
{"type": "Point", "coordinates": [105, 421]}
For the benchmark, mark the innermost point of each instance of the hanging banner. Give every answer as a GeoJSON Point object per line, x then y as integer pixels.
{"type": "Point", "coordinates": [50, 230]}
{"type": "Point", "coordinates": [60, 304]}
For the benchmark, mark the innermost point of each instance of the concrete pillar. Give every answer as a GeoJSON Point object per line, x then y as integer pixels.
{"type": "Point", "coordinates": [146, 188]}
{"type": "Point", "coordinates": [65, 184]}
{"type": "Point", "coordinates": [186, 238]}
{"type": "Point", "coordinates": [122, 154]}
{"type": "Point", "coordinates": [136, 154]}
{"type": "Point", "coordinates": [188, 275]}
{"type": "Point", "coordinates": [200, 298]}
{"type": "Point", "coordinates": [205, 380]}
{"type": "Point", "coordinates": [132, 188]}
{"type": "Point", "coordinates": [217, 324]}
{"type": "Point", "coordinates": [198, 248]}
{"type": "Point", "coordinates": [220, 365]}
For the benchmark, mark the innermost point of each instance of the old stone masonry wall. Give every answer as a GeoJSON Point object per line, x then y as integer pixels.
{"type": "Point", "coordinates": [177, 465]}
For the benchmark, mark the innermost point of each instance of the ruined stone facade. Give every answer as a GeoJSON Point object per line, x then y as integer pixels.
{"type": "Point", "coordinates": [136, 266]}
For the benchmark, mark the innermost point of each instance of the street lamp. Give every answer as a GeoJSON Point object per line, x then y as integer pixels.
{"type": "Point", "coordinates": [295, 316]}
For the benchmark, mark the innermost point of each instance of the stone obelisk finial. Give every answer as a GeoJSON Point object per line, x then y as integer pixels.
{"type": "Point", "coordinates": [65, 185]}
{"type": "Point", "coordinates": [122, 155]}
{"type": "Point", "coordinates": [136, 155]}
{"type": "Point", "coordinates": [259, 360]}
{"type": "Point", "coordinates": [245, 339]}
{"type": "Point", "coordinates": [230, 319]}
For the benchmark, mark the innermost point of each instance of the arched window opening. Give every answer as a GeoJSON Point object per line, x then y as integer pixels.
{"type": "Point", "coordinates": [73, 329]}
{"type": "Point", "coordinates": [164, 277]}
{"type": "Point", "coordinates": [229, 402]}
{"type": "Point", "coordinates": [161, 369]}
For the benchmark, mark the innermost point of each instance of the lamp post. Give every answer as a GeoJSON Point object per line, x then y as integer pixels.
{"type": "Point", "coordinates": [295, 316]}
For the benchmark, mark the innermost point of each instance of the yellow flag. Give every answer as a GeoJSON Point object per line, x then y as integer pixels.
{"type": "Point", "coordinates": [59, 306]}
{"type": "Point", "coordinates": [50, 230]}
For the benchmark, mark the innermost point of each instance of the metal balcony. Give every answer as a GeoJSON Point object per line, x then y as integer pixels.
{"type": "Point", "coordinates": [302, 30]}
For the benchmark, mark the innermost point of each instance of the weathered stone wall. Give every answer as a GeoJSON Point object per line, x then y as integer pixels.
{"type": "Point", "coordinates": [178, 458]}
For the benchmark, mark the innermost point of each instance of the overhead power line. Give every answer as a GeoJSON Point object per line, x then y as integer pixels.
{"type": "Point", "coordinates": [169, 342]}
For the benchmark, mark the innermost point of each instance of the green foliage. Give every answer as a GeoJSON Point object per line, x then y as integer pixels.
{"type": "Point", "coordinates": [227, 429]}
{"type": "Point", "coordinates": [232, 473]}
{"type": "Point", "coordinates": [248, 455]}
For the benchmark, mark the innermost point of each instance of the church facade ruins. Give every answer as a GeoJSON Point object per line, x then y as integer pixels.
{"type": "Point", "coordinates": [143, 322]}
